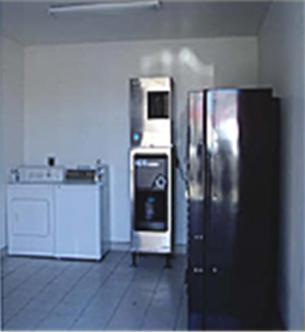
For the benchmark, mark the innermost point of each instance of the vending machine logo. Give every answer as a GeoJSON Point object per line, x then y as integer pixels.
{"type": "Point", "coordinates": [140, 162]}
{"type": "Point", "coordinates": [147, 163]}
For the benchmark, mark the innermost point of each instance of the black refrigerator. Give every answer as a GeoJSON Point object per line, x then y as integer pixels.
{"type": "Point", "coordinates": [233, 201]}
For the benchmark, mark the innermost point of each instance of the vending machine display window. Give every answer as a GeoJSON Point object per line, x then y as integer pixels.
{"type": "Point", "coordinates": [151, 191]}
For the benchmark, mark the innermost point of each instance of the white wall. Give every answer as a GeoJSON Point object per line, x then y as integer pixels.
{"type": "Point", "coordinates": [76, 101]}
{"type": "Point", "coordinates": [11, 117]}
{"type": "Point", "coordinates": [11, 124]}
{"type": "Point", "coordinates": [281, 59]}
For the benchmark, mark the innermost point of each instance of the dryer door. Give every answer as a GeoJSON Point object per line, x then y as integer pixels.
{"type": "Point", "coordinates": [30, 220]}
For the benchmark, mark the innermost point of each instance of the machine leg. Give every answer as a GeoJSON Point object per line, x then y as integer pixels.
{"type": "Point", "coordinates": [168, 264]}
{"type": "Point", "coordinates": [134, 259]}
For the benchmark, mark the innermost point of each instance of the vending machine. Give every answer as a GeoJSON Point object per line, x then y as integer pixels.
{"type": "Point", "coordinates": [151, 166]}
{"type": "Point", "coordinates": [233, 209]}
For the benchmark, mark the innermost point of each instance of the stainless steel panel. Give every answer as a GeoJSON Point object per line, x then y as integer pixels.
{"type": "Point", "coordinates": [196, 148]}
{"type": "Point", "coordinates": [223, 198]}
{"type": "Point", "coordinates": [151, 241]}
{"type": "Point", "coordinates": [223, 153]}
{"type": "Point", "coordinates": [146, 131]}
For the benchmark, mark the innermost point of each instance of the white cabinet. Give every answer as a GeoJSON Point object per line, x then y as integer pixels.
{"type": "Point", "coordinates": [58, 220]}
{"type": "Point", "coordinates": [78, 221]}
{"type": "Point", "coordinates": [31, 219]}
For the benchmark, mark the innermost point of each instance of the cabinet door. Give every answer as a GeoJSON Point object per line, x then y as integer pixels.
{"type": "Point", "coordinates": [222, 195]}
{"type": "Point", "coordinates": [195, 270]}
{"type": "Point", "coordinates": [241, 215]}
{"type": "Point", "coordinates": [78, 233]}
{"type": "Point", "coordinates": [30, 220]}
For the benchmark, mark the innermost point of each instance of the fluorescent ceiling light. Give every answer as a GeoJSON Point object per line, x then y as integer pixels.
{"type": "Point", "coordinates": [103, 6]}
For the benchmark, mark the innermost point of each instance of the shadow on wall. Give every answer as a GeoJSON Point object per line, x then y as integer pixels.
{"type": "Point", "coordinates": [166, 61]}
{"type": "Point", "coordinates": [179, 65]}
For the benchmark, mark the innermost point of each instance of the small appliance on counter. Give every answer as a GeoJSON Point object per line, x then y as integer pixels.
{"type": "Point", "coordinates": [58, 212]}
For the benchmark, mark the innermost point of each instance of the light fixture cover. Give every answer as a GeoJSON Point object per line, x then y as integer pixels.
{"type": "Point", "coordinates": [103, 6]}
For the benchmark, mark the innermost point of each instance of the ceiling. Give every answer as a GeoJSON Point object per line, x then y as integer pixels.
{"type": "Point", "coordinates": [28, 22]}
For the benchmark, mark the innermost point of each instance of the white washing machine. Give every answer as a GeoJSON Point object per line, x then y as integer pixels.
{"type": "Point", "coordinates": [81, 228]}
{"type": "Point", "coordinates": [58, 218]}
{"type": "Point", "coordinates": [30, 214]}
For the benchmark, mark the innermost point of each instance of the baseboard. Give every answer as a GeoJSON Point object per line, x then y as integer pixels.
{"type": "Point", "coordinates": [120, 246]}
{"type": "Point", "coordinates": [180, 249]}
{"type": "Point", "coordinates": [3, 252]}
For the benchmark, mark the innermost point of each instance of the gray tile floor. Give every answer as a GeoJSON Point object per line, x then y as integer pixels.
{"type": "Point", "coordinates": [47, 294]}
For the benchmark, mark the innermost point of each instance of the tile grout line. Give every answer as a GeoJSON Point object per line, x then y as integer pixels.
{"type": "Point", "coordinates": [33, 297]}
{"type": "Point", "coordinates": [182, 284]}
{"type": "Point", "coordinates": [79, 273]}
{"type": "Point", "coordinates": [101, 285]}
{"type": "Point", "coordinates": [60, 273]}
{"type": "Point", "coordinates": [10, 275]}
{"type": "Point", "coordinates": [63, 297]}
{"type": "Point", "coordinates": [120, 301]}
{"type": "Point", "coordinates": [17, 267]}
{"type": "Point", "coordinates": [154, 291]}
{"type": "Point", "coordinates": [36, 270]}
{"type": "Point", "coordinates": [111, 272]}
{"type": "Point", "coordinates": [179, 307]}
{"type": "Point", "coordinates": [123, 296]}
